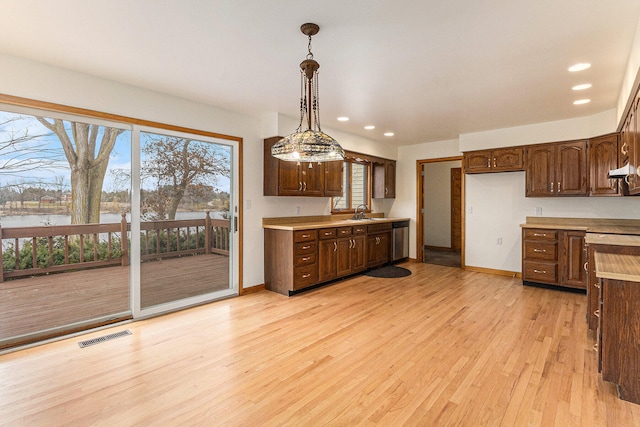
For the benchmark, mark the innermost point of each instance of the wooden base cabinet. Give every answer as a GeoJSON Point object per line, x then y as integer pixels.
{"type": "Point", "coordinates": [619, 335]}
{"type": "Point", "coordinates": [378, 244]}
{"type": "Point", "coordinates": [554, 257]}
{"type": "Point", "coordinates": [341, 252]}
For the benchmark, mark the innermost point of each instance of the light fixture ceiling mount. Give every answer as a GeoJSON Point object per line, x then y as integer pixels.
{"type": "Point", "coordinates": [310, 145]}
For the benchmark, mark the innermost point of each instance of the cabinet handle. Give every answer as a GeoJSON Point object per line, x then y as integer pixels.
{"type": "Point", "coordinates": [539, 250]}
{"type": "Point", "coordinates": [306, 235]}
{"type": "Point", "coordinates": [307, 258]}
{"type": "Point", "coordinates": [540, 271]}
{"type": "Point", "coordinates": [300, 186]}
{"type": "Point", "coordinates": [488, 162]}
{"type": "Point", "coordinates": [595, 347]}
{"type": "Point", "coordinates": [558, 186]}
{"type": "Point", "coordinates": [305, 276]}
{"type": "Point", "coordinates": [306, 247]}
{"type": "Point", "coordinates": [304, 186]}
{"type": "Point", "coordinates": [335, 246]}
{"type": "Point", "coordinates": [596, 285]}
{"type": "Point", "coordinates": [540, 234]}
{"type": "Point", "coordinates": [552, 187]}
{"type": "Point", "coordinates": [626, 179]}
{"type": "Point", "coordinates": [623, 149]}
{"type": "Point", "coordinates": [386, 191]}
{"type": "Point", "coordinates": [597, 313]}
{"type": "Point", "coordinates": [494, 162]}
{"type": "Point", "coordinates": [585, 266]}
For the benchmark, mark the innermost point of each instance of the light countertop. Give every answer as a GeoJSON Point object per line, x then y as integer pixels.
{"type": "Point", "coordinates": [618, 267]}
{"type": "Point", "coordinates": [630, 227]}
{"type": "Point", "coordinates": [326, 221]}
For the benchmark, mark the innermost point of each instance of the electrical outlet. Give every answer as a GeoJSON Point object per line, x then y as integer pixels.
{"type": "Point", "coordinates": [297, 210]}
{"type": "Point", "coordinates": [538, 211]}
{"type": "Point", "coordinates": [470, 210]}
{"type": "Point", "coordinates": [499, 241]}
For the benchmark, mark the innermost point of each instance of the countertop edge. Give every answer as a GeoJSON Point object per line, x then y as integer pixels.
{"type": "Point", "coordinates": [329, 224]}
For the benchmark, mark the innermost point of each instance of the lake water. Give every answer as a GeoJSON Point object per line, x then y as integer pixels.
{"type": "Point", "coordinates": [7, 221]}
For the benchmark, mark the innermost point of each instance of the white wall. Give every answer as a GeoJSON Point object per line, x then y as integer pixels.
{"type": "Point", "coordinates": [633, 65]}
{"type": "Point", "coordinates": [437, 203]}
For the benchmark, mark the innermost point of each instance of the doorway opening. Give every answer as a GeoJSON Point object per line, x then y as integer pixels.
{"type": "Point", "coordinates": [440, 212]}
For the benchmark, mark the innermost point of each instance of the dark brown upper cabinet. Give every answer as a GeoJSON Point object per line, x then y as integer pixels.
{"type": "Point", "coordinates": [557, 169]}
{"type": "Point", "coordinates": [283, 178]}
{"type": "Point", "coordinates": [604, 155]}
{"type": "Point", "coordinates": [496, 160]}
{"type": "Point", "coordinates": [384, 179]}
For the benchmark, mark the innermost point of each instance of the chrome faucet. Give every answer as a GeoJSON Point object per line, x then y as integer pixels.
{"type": "Point", "coordinates": [360, 215]}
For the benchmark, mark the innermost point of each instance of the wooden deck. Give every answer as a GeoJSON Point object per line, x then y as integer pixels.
{"type": "Point", "coordinates": [44, 306]}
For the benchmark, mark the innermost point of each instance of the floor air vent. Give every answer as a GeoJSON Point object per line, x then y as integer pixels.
{"type": "Point", "coordinates": [99, 340]}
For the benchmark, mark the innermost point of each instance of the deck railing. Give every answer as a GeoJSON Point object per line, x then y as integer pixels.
{"type": "Point", "coordinates": [53, 249]}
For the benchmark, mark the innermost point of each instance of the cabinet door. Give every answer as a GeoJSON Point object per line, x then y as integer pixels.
{"type": "Point", "coordinates": [384, 250]}
{"type": "Point", "coordinates": [312, 176]}
{"type": "Point", "coordinates": [333, 178]}
{"type": "Point", "coordinates": [571, 169]}
{"type": "Point", "coordinates": [507, 159]}
{"type": "Point", "coordinates": [633, 142]}
{"type": "Point", "coordinates": [372, 250]}
{"type": "Point", "coordinates": [327, 260]}
{"type": "Point", "coordinates": [603, 156]}
{"type": "Point", "coordinates": [358, 260]}
{"type": "Point", "coordinates": [289, 182]}
{"type": "Point", "coordinates": [390, 179]}
{"type": "Point", "coordinates": [540, 170]}
{"type": "Point", "coordinates": [344, 256]}
{"type": "Point", "coordinates": [574, 259]}
{"type": "Point", "coordinates": [477, 161]}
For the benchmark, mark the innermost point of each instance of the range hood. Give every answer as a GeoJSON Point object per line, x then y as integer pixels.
{"type": "Point", "coordinates": [620, 172]}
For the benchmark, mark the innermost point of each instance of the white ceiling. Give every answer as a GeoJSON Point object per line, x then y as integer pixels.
{"type": "Point", "coordinates": [427, 70]}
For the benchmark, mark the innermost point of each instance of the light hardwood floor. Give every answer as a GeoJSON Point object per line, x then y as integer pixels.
{"type": "Point", "coordinates": [440, 347]}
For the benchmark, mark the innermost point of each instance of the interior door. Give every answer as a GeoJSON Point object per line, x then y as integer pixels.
{"type": "Point", "coordinates": [456, 209]}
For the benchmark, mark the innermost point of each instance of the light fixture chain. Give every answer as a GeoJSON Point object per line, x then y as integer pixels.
{"type": "Point", "coordinates": [316, 102]}
{"type": "Point", "coordinates": [310, 54]}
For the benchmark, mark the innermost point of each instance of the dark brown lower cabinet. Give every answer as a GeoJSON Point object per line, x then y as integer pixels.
{"type": "Point", "coordinates": [295, 260]}
{"type": "Point", "coordinates": [619, 336]}
{"type": "Point", "coordinates": [554, 257]}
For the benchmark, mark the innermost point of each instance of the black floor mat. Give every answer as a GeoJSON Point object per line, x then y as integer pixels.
{"type": "Point", "coordinates": [389, 271]}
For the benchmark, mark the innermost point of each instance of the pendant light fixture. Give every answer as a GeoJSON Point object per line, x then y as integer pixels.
{"type": "Point", "coordinates": [310, 145]}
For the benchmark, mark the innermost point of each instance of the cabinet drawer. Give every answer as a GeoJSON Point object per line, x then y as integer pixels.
{"type": "Point", "coordinates": [327, 233]}
{"type": "Point", "coordinates": [306, 248]}
{"type": "Point", "coordinates": [305, 276]}
{"type": "Point", "coordinates": [344, 231]}
{"type": "Point", "coordinates": [305, 235]}
{"type": "Point", "coordinates": [359, 229]}
{"type": "Point", "coordinates": [541, 250]}
{"type": "Point", "coordinates": [545, 272]}
{"type": "Point", "coordinates": [540, 234]}
{"type": "Point", "coordinates": [305, 260]}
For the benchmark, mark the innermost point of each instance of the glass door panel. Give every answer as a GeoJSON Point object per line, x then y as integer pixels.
{"type": "Point", "coordinates": [185, 236]}
{"type": "Point", "coordinates": [64, 201]}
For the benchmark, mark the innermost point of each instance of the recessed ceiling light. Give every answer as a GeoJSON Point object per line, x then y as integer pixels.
{"type": "Point", "coordinates": [369, 127]}
{"type": "Point", "coordinates": [579, 67]}
{"type": "Point", "coordinates": [388, 134]}
{"type": "Point", "coordinates": [581, 101]}
{"type": "Point", "coordinates": [343, 119]}
{"type": "Point", "coordinates": [582, 86]}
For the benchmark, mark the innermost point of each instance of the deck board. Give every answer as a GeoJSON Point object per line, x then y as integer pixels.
{"type": "Point", "coordinates": [31, 305]}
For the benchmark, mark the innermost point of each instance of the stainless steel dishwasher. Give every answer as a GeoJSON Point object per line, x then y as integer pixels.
{"type": "Point", "coordinates": [400, 239]}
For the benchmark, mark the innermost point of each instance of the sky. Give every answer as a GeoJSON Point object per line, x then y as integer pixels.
{"type": "Point", "coordinates": [41, 159]}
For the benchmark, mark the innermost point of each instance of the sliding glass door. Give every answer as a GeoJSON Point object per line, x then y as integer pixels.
{"type": "Point", "coordinates": [186, 206]}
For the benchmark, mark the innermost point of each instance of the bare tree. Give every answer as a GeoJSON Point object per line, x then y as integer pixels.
{"type": "Point", "coordinates": [87, 149]}
{"type": "Point", "coordinates": [177, 164]}
{"type": "Point", "coordinates": [22, 151]}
